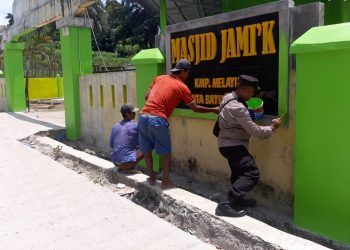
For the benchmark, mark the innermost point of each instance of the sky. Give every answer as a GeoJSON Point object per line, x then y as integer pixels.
{"type": "Point", "coordinates": [6, 7]}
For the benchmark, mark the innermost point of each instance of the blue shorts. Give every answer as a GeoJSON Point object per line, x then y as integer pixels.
{"type": "Point", "coordinates": [154, 134]}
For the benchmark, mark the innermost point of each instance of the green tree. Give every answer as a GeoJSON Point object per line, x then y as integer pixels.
{"type": "Point", "coordinates": [98, 14]}
{"type": "Point", "coordinates": [41, 52]}
{"type": "Point", "coordinates": [120, 27]}
{"type": "Point", "coordinates": [130, 24]}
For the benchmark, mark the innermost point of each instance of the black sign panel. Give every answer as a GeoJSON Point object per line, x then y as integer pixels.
{"type": "Point", "coordinates": [220, 53]}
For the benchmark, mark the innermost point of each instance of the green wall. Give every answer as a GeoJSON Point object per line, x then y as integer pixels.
{"type": "Point", "coordinates": [322, 173]}
{"type": "Point", "coordinates": [336, 11]}
{"type": "Point", "coordinates": [322, 164]}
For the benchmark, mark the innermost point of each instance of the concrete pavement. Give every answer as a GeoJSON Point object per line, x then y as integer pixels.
{"type": "Point", "coordinates": [44, 205]}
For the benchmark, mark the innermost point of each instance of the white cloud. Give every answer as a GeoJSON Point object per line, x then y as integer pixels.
{"type": "Point", "coordinates": [5, 7]}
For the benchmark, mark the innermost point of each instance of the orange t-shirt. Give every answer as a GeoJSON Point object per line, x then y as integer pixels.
{"type": "Point", "coordinates": [165, 94]}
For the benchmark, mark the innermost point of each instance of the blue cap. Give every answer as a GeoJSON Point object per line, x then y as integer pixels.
{"type": "Point", "coordinates": [128, 108]}
{"type": "Point", "coordinates": [245, 80]}
{"type": "Point", "coordinates": [181, 65]}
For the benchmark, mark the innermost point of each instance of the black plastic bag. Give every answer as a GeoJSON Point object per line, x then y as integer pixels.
{"type": "Point", "coordinates": [216, 128]}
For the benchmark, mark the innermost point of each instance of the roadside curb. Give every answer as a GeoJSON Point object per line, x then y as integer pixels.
{"type": "Point", "coordinates": [190, 212]}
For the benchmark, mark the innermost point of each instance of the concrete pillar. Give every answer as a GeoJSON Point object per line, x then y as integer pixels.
{"type": "Point", "coordinates": [14, 75]}
{"type": "Point", "coordinates": [76, 52]}
{"type": "Point", "coordinates": [149, 64]}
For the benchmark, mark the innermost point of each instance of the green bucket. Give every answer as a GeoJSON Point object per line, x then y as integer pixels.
{"type": "Point", "coordinates": [256, 105]}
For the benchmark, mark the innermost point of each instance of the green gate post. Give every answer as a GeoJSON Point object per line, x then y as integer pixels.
{"type": "Point", "coordinates": [149, 64]}
{"type": "Point", "coordinates": [322, 172]}
{"type": "Point", "coordinates": [14, 76]}
{"type": "Point", "coordinates": [76, 51]}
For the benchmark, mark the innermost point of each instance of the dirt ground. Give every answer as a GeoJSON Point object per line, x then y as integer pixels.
{"type": "Point", "coordinates": [46, 105]}
{"type": "Point", "coordinates": [95, 175]}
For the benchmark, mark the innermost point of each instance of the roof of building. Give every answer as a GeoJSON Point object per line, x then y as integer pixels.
{"type": "Point", "coordinates": [183, 10]}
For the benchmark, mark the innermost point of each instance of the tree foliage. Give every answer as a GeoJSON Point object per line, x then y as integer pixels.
{"type": "Point", "coordinates": [123, 24]}
{"type": "Point", "coordinates": [121, 28]}
{"type": "Point", "coordinates": [42, 52]}
{"type": "Point", "coordinates": [10, 19]}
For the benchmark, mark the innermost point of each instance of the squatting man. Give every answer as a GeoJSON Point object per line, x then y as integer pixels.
{"type": "Point", "coordinates": [124, 141]}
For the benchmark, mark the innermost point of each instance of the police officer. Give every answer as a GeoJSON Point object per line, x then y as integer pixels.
{"type": "Point", "coordinates": [236, 127]}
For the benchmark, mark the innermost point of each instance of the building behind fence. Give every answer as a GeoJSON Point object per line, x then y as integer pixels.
{"type": "Point", "coordinates": [45, 88]}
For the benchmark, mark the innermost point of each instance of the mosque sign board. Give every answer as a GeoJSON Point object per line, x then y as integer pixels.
{"type": "Point", "coordinates": [222, 47]}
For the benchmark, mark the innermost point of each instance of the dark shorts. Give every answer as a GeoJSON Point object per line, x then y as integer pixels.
{"type": "Point", "coordinates": [154, 134]}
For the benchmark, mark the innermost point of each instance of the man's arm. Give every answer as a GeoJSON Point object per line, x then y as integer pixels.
{"type": "Point", "coordinates": [111, 139]}
{"type": "Point", "coordinates": [147, 93]}
{"type": "Point", "coordinates": [201, 109]}
{"type": "Point", "coordinates": [243, 118]}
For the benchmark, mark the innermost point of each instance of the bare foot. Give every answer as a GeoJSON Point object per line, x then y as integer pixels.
{"type": "Point", "coordinates": [129, 171]}
{"type": "Point", "coordinates": [151, 181]}
{"type": "Point", "coordinates": [134, 171]}
{"type": "Point", "coordinates": [168, 184]}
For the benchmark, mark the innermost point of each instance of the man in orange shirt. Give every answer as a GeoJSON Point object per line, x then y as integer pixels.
{"type": "Point", "coordinates": [164, 94]}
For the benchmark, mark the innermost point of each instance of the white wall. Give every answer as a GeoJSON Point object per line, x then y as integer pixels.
{"type": "Point", "coordinates": [3, 100]}
{"type": "Point", "coordinates": [97, 120]}
{"type": "Point", "coordinates": [192, 138]}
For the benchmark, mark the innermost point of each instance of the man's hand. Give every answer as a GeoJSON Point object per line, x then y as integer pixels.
{"type": "Point", "coordinates": [201, 109]}
{"type": "Point", "coordinates": [217, 109]}
{"type": "Point", "coordinates": [275, 123]}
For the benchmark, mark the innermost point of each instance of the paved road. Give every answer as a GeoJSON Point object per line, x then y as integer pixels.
{"type": "Point", "coordinates": [43, 205]}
